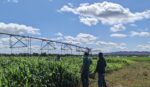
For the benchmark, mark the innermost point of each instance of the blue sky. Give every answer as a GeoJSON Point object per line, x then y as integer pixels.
{"type": "Point", "coordinates": [116, 25]}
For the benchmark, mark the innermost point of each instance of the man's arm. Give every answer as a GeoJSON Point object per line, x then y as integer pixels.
{"type": "Point", "coordinates": [105, 63]}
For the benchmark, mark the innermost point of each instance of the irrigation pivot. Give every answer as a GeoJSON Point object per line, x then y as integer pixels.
{"type": "Point", "coordinates": [22, 41]}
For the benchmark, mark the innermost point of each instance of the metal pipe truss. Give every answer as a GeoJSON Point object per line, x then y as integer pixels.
{"type": "Point", "coordinates": [22, 41]}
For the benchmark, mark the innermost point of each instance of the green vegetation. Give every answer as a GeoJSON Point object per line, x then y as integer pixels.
{"type": "Point", "coordinates": [140, 59]}
{"type": "Point", "coordinates": [42, 72]}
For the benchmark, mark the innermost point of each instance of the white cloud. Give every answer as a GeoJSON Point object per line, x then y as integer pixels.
{"type": "Point", "coordinates": [59, 34]}
{"type": "Point", "coordinates": [10, 1]}
{"type": "Point", "coordinates": [85, 38]}
{"type": "Point", "coordinates": [117, 35]}
{"type": "Point", "coordinates": [133, 25]}
{"type": "Point", "coordinates": [117, 28]}
{"type": "Point", "coordinates": [89, 40]}
{"type": "Point", "coordinates": [111, 45]}
{"type": "Point", "coordinates": [70, 4]}
{"type": "Point", "coordinates": [50, 0]}
{"type": "Point", "coordinates": [89, 21]}
{"type": "Point", "coordinates": [144, 47]}
{"type": "Point", "coordinates": [15, 1]}
{"type": "Point", "coordinates": [67, 8]}
{"type": "Point", "coordinates": [14, 28]}
{"type": "Point", "coordinates": [81, 38]}
{"type": "Point", "coordinates": [4, 41]}
{"type": "Point", "coordinates": [140, 34]}
{"type": "Point", "coordinates": [78, 39]}
{"type": "Point", "coordinates": [106, 13]}
{"type": "Point", "coordinates": [70, 39]}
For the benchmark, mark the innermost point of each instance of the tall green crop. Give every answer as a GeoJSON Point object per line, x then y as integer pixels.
{"type": "Point", "coordinates": [41, 72]}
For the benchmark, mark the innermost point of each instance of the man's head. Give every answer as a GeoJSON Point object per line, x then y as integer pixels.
{"type": "Point", "coordinates": [86, 54]}
{"type": "Point", "coordinates": [100, 55]}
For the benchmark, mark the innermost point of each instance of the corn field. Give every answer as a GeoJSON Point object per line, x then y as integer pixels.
{"type": "Point", "coordinates": [47, 72]}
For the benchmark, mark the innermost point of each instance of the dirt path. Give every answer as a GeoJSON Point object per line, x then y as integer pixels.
{"type": "Point", "coordinates": [135, 75]}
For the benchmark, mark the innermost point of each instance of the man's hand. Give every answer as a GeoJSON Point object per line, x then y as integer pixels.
{"type": "Point", "coordinates": [92, 75]}
{"type": "Point", "coordinates": [81, 68]}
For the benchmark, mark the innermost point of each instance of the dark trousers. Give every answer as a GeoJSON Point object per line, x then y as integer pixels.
{"type": "Point", "coordinates": [85, 79]}
{"type": "Point", "coordinates": [101, 80]}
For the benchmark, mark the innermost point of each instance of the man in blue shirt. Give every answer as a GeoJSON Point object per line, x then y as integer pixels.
{"type": "Point", "coordinates": [85, 70]}
{"type": "Point", "coordinates": [100, 69]}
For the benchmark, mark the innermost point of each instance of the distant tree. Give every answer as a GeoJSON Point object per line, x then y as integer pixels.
{"type": "Point", "coordinates": [43, 54]}
{"type": "Point", "coordinates": [35, 54]}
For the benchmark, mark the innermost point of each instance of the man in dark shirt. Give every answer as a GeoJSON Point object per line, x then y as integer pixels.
{"type": "Point", "coordinates": [85, 70]}
{"type": "Point", "coordinates": [100, 69]}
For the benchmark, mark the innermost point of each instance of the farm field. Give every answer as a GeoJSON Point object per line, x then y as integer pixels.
{"type": "Point", "coordinates": [43, 43]}
{"type": "Point", "coordinates": [49, 72]}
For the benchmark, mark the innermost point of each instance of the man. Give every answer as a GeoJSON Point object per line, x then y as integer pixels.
{"type": "Point", "coordinates": [100, 69]}
{"type": "Point", "coordinates": [85, 70]}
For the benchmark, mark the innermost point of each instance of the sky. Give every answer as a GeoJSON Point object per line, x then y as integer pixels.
{"type": "Point", "coordinates": [103, 25]}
